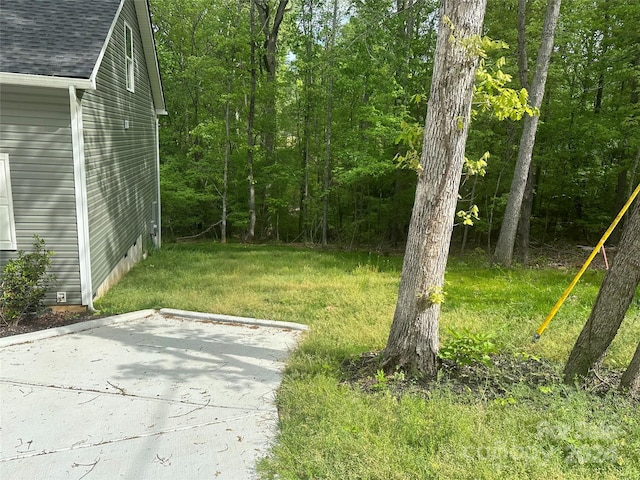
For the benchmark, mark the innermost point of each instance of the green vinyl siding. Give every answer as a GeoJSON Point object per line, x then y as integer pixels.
{"type": "Point", "coordinates": [35, 131]}
{"type": "Point", "coordinates": [120, 161]}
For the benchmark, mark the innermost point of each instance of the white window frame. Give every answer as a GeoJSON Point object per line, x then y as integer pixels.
{"type": "Point", "coordinates": [7, 239]}
{"type": "Point", "coordinates": [129, 58]}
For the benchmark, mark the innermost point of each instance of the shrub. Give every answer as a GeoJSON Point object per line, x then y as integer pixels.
{"type": "Point", "coordinates": [24, 283]}
{"type": "Point", "coordinates": [466, 348]}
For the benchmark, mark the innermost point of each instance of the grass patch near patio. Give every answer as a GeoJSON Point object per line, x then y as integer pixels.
{"type": "Point", "coordinates": [334, 430]}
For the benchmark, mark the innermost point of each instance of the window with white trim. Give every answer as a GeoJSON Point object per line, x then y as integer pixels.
{"type": "Point", "coordinates": [7, 223]}
{"type": "Point", "coordinates": [128, 55]}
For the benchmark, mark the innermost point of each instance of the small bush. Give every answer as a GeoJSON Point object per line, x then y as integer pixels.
{"type": "Point", "coordinates": [24, 283]}
{"type": "Point", "coordinates": [466, 348]}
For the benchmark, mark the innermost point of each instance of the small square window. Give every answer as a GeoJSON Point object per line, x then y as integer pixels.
{"type": "Point", "coordinates": [129, 59]}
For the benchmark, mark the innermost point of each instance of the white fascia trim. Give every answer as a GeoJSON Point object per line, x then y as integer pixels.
{"type": "Point", "coordinates": [82, 210]}
{"type": "Point", "coordinates": [150, 54]}
{"type": "Point", "coordinates": [96, 67]}
{"type": "Point", "coordinates": [46, 81]}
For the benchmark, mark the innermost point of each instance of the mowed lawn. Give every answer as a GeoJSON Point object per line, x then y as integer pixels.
{"type": "Point", "coordinates": [331, 430]}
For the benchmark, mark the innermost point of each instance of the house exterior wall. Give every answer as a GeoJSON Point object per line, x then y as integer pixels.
{"type": "Point", "coordinates": [120, 155]}
{"type": "Point", "coordinates": [35, 131]}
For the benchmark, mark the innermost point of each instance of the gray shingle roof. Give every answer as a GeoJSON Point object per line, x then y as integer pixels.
{"type": "Point", "coordinates": [60, 38]}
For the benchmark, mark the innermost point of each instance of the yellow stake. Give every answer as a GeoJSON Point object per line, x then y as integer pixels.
{"type": "Point", "coordinates": [595, 251]}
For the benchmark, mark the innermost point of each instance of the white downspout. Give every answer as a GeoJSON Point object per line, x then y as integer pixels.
{"type": "Point", "coordinates": [82, 211]}
{"type": "Point", "coordinates": [159, 213]}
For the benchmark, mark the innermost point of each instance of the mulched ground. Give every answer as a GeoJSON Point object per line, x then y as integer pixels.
{"type": "Point", "coordinates": [477, 381]}
{"type": "Point", "coordinates": [48, 319]}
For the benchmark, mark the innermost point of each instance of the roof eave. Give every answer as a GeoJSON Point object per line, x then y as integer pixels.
{"type": "Point", "coordinates": [96, 66]}
{"type": "Point", "coordinates": [24, 79]}
{"type": "Point", "coordinates": [150, 54]}
{"type": "Point", "coordinates": [149, 48]}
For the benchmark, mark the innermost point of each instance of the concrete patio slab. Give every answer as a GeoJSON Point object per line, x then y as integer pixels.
{"type": "Point", "coordinates": [150, 397]}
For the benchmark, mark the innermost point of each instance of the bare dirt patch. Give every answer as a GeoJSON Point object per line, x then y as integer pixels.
{"type": "Point", "coordinates": [477, 381]}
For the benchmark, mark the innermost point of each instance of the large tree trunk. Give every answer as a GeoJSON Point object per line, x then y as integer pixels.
{"type": "Point", "coordinates": [506, 240]}
{"type": "Point", "coordinates": [615, 295]}
{"type": "Point", "coordinates": [413, 340]}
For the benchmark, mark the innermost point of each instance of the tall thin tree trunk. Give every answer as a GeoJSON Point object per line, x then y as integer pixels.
{"type": "Point", "coordinates": [270, 27]}
{"type": "Point", "coordinates": [413, 340]}
{"type": "Point", "coordinates": [613, 300]}
{"type": "Point", "coordinates": [524, 224]}
{"type": "Point", "coordinates": [227, 130]}
{"type": "Point", "coordinates": [306, 155]}
{"type": "Point", "coordinates": [504, 248]}
{"type": "Point", "coordinates": [251, 231]}
{"type": "Point", "coordinates": [523, 60]}
{"type": "Point", "coordinates": [327, 161]}
{"type": "Point", "coordinates": [225, 171]}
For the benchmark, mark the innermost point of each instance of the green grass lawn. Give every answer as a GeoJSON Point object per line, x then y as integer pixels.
{"type": "Point", "coordinates": [330, 430]}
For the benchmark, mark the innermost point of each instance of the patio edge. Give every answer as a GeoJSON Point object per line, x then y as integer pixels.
{"type": "Point", "coordinates": [216, 317]}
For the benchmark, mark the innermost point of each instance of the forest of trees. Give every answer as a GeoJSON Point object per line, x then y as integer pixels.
{"type": "Point", "coordinates": [287, 119]}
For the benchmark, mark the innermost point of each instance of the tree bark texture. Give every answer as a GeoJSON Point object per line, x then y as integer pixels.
{"type": "Point", "coordinates": [413, 340]}
{"type": "Point", "coordinates": [524, 224]}
{"type": "Point", "coordinates": [504, 248]}
{"type": "Point", "coordinates": [615, 295]}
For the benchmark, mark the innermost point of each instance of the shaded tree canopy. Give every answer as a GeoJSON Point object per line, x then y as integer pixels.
{"type": "Point", "coordinates": [378, 74]}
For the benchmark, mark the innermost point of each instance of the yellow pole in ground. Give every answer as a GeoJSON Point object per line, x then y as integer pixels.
{"type": "Point", "coordinates": [595, 251]}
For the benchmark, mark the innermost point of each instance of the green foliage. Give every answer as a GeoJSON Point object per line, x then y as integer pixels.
{"type": "Point", "coordinates": [491, 94]}
{"type": "Point", "coordinates": [476, 167]}
{"type": "Point", "coordinates": [410, 137]}
{"type": "Point", "coordinates": [586, 146]}
{"type": "Point", "coordinates": [25, 282]}
{"type": "Point", "coordinates": [466, 348]}
{"type": "Point", "coordinates": [382, 380]}
{"type": "Point", "coordinates": [436, 294]}
{"type": "Point", "coordinates": [468, 216]}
